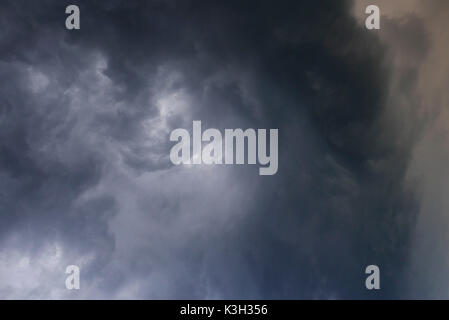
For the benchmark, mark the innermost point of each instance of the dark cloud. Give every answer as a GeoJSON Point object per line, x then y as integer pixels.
{"type": "Point", "coordinates": [85, 174]}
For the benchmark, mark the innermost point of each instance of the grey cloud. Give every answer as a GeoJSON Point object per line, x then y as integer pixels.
{"type": "Point", "coordinates": [84, 165]}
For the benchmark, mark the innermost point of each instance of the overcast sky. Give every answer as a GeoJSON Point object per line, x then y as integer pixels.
{"type": "Point", "coordinates": [85, 175]}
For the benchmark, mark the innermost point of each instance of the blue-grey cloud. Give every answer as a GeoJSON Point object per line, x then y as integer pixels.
{"type": "Point", "coordinates": [86, 179]}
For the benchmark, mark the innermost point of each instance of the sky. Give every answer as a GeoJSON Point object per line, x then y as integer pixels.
{"type": "Point", "coordinates": [86, 179]}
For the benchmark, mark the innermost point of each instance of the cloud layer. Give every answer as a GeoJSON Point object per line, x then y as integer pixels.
{"type": "Point", "coordinates": [85, 176]}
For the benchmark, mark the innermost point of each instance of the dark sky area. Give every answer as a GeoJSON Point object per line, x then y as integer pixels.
{"type": "Point", "coordinates": [85, 175]}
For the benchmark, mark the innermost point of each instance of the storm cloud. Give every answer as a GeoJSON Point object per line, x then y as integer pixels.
{"type": "Point", "coordinates": [85, 175]}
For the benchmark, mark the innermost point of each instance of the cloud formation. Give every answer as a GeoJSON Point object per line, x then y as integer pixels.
{"type": "Point", "coordinates": [85, 176]}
